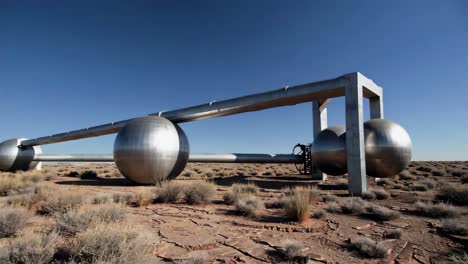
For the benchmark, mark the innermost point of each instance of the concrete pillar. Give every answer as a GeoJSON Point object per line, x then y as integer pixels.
{"type": "Point", "coordinates": [319, 120]}
{"type": "Point", "coordinates": [376, 107]}
{"type": "Point", "coordinates": [355, 152]}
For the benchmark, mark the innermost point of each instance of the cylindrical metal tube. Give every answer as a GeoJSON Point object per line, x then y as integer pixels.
{"type": "Point", "coordinates": [275, 98]}
{"type": "Point", "coordinates": [193, 157]}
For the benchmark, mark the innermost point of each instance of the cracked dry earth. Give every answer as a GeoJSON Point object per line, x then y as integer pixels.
{"type": "Point", "coordinates": [216, 234]}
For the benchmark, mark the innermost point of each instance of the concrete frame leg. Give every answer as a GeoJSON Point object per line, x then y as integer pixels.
{"type": "Point", "coordinates": [320, 122]}
{"type": "Point", "coordinates": [357, 182]}
{"type": "Point", "coordinates": [376, 107]}
{"type": "Point", "coordinates": [39, 166]}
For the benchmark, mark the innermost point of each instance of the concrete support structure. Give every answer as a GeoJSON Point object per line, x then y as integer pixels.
{"type": "Point", "coordinates": [320, 122]}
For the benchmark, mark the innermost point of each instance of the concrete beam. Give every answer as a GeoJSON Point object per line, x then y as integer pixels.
{"type": "Point", "coordinates": [376, 107]}
{"type": "Point", "coordinates": [357, 182]}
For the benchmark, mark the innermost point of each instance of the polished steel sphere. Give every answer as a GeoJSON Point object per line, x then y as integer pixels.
{"type": "Point", "coordinates": [150, 149]}
{"type": "Point", "coordinates": [388, 148]}
{"type": "Point", "coordinates": [329, 151]}
{"type": "Point", "coordinates": [13, 158]}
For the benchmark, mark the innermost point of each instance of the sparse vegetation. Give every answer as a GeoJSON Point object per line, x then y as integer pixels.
{"type": "Point", "coordinates": [318, 214]}
{"type": "Point", "coordinates": [76, 221]}
{"type": "Point", "coordinates": [73, 174]}
{"type": "Point", "coordinates": [464, 178]}
{"type": "Point", "coordinates": [169, 192]}
{"type": "Point", "coordinates": [393, 234]}
{"type": "Point", "coordinates": [406, 175]}
{"type": "Point", "coordinates": [88, 175]}
{"type": "Point", "coordinates": [454, 195]}
{"type": "Point", "coordinates": [11, 220]}
{"type": "Point", "coordinates": [237, 191]}
{"type": "Point", "coordinates": [453, 227]}
{"type": "Point", "coordinates": [381, 213]}
{"type": "Point", "coordinates": [370, 248]}
{"type": "Point", "coordinates": [60, 203]}
{"type": "Point", "coordinates": [198, 192]}
{"type": "Point", "coordinates": [249, 205]}
{"type": "Point", "coordinates": [297, 204]}
{"type": "Point", "coordinates": [353, 205]}
{"type": "Point", "coordinates": [34, 248]}
{"type": "Point", "coordinates": [293, 248]}
{"type": "Point", "coordinates": [439, 210]}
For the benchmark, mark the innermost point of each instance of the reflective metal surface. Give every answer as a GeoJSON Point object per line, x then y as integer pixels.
{"type": "Point", "coordinates": [255, 102]}
{"type": "Point", "coordinates": [388, 148]}
{"type": "Point", "coordinates": [244, 158]}
{"type": "Point", "coordinates": [13, 158]}
{"type": "Point", "coordinates": [74, 157]}
{"type": "Point", "coordinates": [151, 149]}
{"type": "Point", "coordinates": [329, 151]}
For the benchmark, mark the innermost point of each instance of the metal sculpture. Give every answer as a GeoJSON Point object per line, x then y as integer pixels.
{"type": "Point", "coordinates": [154, 148]}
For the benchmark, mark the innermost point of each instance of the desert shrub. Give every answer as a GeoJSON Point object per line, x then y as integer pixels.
{"type": "Point", "coordinates": [123, 198]}
{"type": "Point", "coordinates": [406, 175]}
{"type": "Point", "coordinates": [198, 192]}
{"type": "Point", "coordinates": [419, 187]}
{"type": "Point", "coordinates": [141, 197]}
{"type": "Point", "coordinates": [453, 227]}
{"type": "Point", "coordinates": [333, 207]}
{"type": "Point", "coordinates": [73, 174]}
{"type": "Point", "coordinates": [22, 200]}
{"type": "Point", "coordinates": [88, 175]}
{"type": "Point", "coordinates": [393, 234]}
{"type": "Point", "coordinates": [368, 195]}
{"type": "Point", "coordinates": [429, 183]}
{"type": "Point", "coordinates": [102, 198]}
{"type": "Point", "coordinates": [209, 174]}
{"type": "Point", "coordinates": [464, 178]}
{"type": "Point", "coordinates": [370, 248]}
{"type": "Point", "coordinates": [169, 192]}
{"type": "Point", "coordinates": [9, 185]}
{"type": "Point", "coordinates": [237, 191]}
{"type": "Point", "coordinates": [249, 205]}
{"type": "Point", "coordinates": [458, 257]}
{"type": "Point", "coordinates": [439, 210]}
{"type": "Point", "coordinates": [384, 181]}
{"type": "Point", "coordinates": [293, 248]}
{"type": "Point", "coordinates": [297, 204]}
{"type": "Point", "coordinates": [267, 173]}
{"type": "Point", "coordinates": [328, 198]}
{"type": "Point", "coordinates": [458, 173]}
{"type": "Point", "coordinates": [381, 213]}
{"type": "Point", "coordinates": [11, 220]}
{"type": "Point", "coordinates": [454, 195]}
{"type": "Point", "coordinates": [352, 205]}
{"type": "Point", "coordinates": [342, 184]}
{"type": "Point", "coordinates": [195, 260]}
{"type": "Point", "coordinates": [31, 178]}
{"type": "Point", "coordinates": [34, 248]}
{"type": "Point", "coordinates": [113, 244]}
{"type": "Point", "coordinates": [438, 172]}
{"type": "Point", "coordinates": [76, 221]}
{"type": "Point", "coordinates": [424, 168]}
{"type": "Point", "coordinates": [60, 203]}
{"type": "Point", "coordinates": [318, 214]}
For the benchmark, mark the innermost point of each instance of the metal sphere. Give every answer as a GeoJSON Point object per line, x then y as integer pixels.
{"type": "Point", "coordinates": [13, 158]}
{"type": "Point", "coordinates": [151, 149]}
{"type": "Point", "coordinates": [329, 151]}
{"type": "Point", "coordinates": [388, 148]}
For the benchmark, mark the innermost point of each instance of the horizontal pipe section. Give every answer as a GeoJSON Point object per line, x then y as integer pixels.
{"type": "Point", "coordinates": [194, 157]}
{"type": "Point", "coordinates": [255, 102]}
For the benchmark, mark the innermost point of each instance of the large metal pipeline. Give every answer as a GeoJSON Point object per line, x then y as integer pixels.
{"type": "Point", "coordinates": [275, 98]}
{"type": "Point", "coordinates": [193, 157]}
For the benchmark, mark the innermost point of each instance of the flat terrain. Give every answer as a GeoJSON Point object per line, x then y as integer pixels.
{"type": "Point", "coordinates": [214, 232]}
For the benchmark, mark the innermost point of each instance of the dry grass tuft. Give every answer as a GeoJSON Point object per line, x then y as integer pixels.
{"type": "Point", "coordinates": [60, 203]}
{"type": "Point", "coordinates": [352, 205]}
{"type": "Point", "coordinates": [454, 195]}
{"type": "Point", "coordinates": [439, 210]}
{"type": "Point", "coordinates": [393, 234]}
{"type": "Point", "coordinates": [318, 214]}
{"type": "Point", "coordinates": [34, 248]}
{"type": "Point", "coordinates": [381, 213]}
{"type": "Point", "coordinates": [293, 249]}
{"type": "Point", "coordinates": [297, 204]}
{"type": "Point", "coordinates": [249, 205]}
{"type": "Point", "coordinates": [113, 244]}
{"type": "Point", "coordinates": [464, 178]}
{"type": "Point", "coordinates": [169, 192]}
{"type": "Point", "coordinates": [76, 221]}
{"type": "Point", "coordinates": [88, 175]}
{"type": "Point", "coordinates": [370, 248]}
{"type": "Point", "coordinates": [237, 191]}
{"type": "Point", "coordinates": [199, 192]}
{"type": "Point", "coordinates": [9, 184]}
{"type": "Point", "coordinates": [11, 220]}
{"type": "Point", "coordinates": [453, 227]}
{"type": "Point", "coordinates": [329, 198]}
{"type": "Point", "coordinates": [406, 175]}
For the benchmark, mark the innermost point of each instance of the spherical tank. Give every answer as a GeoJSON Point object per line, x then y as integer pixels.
{"type": "Point", "coordinates": [150, 149]}
{"type": "Point", "coordinates": [388, 148]}
{"type": "Point", "coordinates": [329, 151]}
{"type": "Point", "coordinates": [13, 158]}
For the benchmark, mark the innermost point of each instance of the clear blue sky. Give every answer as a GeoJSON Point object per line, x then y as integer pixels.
{"type": "Point", "coordinates": [66, 66]}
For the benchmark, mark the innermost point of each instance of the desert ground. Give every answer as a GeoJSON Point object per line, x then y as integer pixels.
{"type": "Point", "coordinates": [233, 213]}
